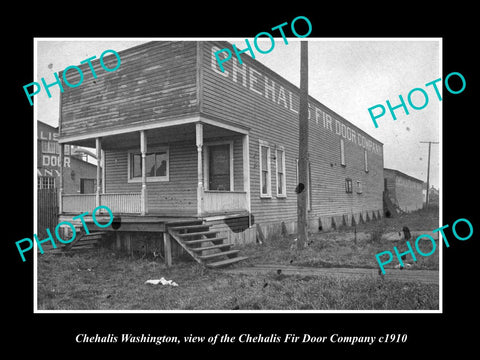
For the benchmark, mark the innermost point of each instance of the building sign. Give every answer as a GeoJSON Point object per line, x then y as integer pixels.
{"type": "Point", "coordinates": [49, 159]}
{"type": "Point", "coordinates": [262, 85]}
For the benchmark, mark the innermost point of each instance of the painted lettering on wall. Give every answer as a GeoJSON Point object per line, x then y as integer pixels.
{"type": "Point", "coordinates": [263, 86]}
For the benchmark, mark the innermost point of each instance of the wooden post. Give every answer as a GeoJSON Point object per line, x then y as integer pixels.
{"type": "Point", "coordinates": [302, 197]}
{"type": "Point", "coordinates": [167, 249]}
{"type": "Point", "coordinates": [98, 145]}
{"type": "Point", "coordinates": [246, 173]}
{"type": "Point", "coordinates": [60, 179]}
{"type": "Point", "coordinates": [143, 150]}
{"type": "Point", "coordinates": [199, 143]}
{"type": "Point", "coordinates": [118, 242]}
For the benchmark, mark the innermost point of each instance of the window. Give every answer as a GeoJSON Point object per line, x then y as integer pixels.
{"type": "Point", "coordinates": [219, 166]}
{"type": "Point", "coordinates": [265, 171]}
{"type": "Point", "coordinates": [359, 187]}
{"type": "Point", "coordinates": [280, 165]}
{"type": "Point", "coordinates": [366, 160]}
{"type": "Point", "coordinates": [342, 152]}
{"type": "Point", "coordinates": [49, 147]}
{"type": "Point", "coordinates": [348, 186]}
{"type": "Point", "coordinates": [46, 182]}
{"type": "Point", "coordinates": [156, 162]}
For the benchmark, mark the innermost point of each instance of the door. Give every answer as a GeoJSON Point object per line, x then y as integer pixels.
{"type": "Point", "coordinates": [87, 186]}
{"type": "Point", "coordinates": [219, 167]}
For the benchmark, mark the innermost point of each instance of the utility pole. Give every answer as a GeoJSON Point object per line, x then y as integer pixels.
{"type": "Point", "coordinates": [303, 184]}
{"type": "Point", "coordinates": [428, 169]}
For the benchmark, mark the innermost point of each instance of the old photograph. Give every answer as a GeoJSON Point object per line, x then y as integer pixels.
{"type": "Point", "coordinates": [235, 175]}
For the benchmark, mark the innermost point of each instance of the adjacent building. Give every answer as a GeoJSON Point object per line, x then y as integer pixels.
{"type": "Point", "coordinates": [404, 191]}
{"type": "Point", "coordinates": [79, 176]}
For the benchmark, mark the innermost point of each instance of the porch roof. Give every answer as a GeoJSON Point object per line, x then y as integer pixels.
{"type": "Point", "coordinates": [161, 131]}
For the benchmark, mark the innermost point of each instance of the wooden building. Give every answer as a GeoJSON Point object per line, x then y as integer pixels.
{"type": "Point", "coordinates": [79, 176]}
{"type": "Point", "coordinates": [183, 140]}
{"type": "Point", "coordinates": [404, 191]}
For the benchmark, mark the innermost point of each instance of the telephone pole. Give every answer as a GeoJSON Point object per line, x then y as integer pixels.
{"type": "Point", "coordinates": [303, 183]}
{"type": "Point", "coordinates": [428, 169]}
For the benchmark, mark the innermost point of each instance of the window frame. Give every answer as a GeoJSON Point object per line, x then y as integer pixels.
{"type": "Point", "coordinates": [348, 186]}
{"type": "Point", "coordinates": [359, 187]}
{"type": "Point", "coordinates": [49, 147]}
{"type": "Point", "coordinates": [342, 153]}
{"type": "Point", "coordinates": [154, 149]}
{"type": "Point", "coordinates": [265, 144]}
{"type": "Point", "coordinates": [365, 155]}
{"type": "Point", "coordinates": [283, 194]}
{"type": "Point", "coordinates": [50, 182]}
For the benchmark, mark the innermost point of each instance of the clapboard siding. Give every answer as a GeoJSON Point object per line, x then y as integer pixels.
{"type": "Point", "coordinates": [177, 196]}
{"type": "Point", "coordinates": [154, 80]}
{"type": "Point", "coordinates": [250, 103]}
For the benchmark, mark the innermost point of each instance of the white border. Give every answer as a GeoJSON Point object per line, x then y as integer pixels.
{"type": "Point", "coordinates": [35, 279]}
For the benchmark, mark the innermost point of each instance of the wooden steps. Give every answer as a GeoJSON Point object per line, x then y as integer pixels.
{"type": "Point", "coordinates": [227, 262]}
{"type": "Point", "coordinates": [82, 242]}
{"type": "Point", "coordinates": [203, 244]}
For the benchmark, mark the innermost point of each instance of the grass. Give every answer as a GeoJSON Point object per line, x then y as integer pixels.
{"type": "Point", "coordinates": [102, 281]}
{"type": "Point", "coordinates": [105, 280]}
{"type": "Point", "coordinates": [338, 248]}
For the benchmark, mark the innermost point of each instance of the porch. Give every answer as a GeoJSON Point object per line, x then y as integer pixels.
{"type": "Point", "coordinates": [213, 203]}
{"type": "Point", "coordinates": [192, 167]}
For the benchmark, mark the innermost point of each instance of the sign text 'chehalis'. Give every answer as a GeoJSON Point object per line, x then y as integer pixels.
{"type": "Point", "coordinates": [255, 42]}
{"type": "Point", "coordinates": [419, 105]}
{"type": "Point", "coordinates": [57, 230]}
{"type": "Point", "coordinates": [37, 87]}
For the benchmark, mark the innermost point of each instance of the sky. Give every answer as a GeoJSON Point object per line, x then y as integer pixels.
{"type": "Point", "coordinates": [347, 75]}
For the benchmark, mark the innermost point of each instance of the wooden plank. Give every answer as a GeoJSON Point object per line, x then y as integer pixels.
{"type": "Point", "coordinates": [214, 255]}
{"type": "Point", "coordinates": [205, 248]}
{"type": "Point", "coordinates": [204, 240]}
{"type": "Point", "coordinates": [197, 233]}
{"type": "Point", "coordinates": [226, 262]}
{"type": "Point", "coordinates": [167, 246]}
{"type": "Point", "coordinates": [157, 81]}
{"type": "Point", "coordinates": [188, 227]}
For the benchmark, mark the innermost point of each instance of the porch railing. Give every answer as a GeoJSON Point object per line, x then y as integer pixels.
{"type": "Point", "coordinates": [224, 201]}
{"type": "Point", "coordinates": [127, 203]}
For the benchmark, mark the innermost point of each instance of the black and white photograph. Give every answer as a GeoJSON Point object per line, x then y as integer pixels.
{"type": "Point", "coordinates": [195, 149]}
{"type": "Point", "coordinates": [249, 182]}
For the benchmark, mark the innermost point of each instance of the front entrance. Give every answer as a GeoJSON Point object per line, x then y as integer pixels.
{"type": "Point", "coordinates": [87, 186]}
{"type": "Point", "coordinates": [219, 166]}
